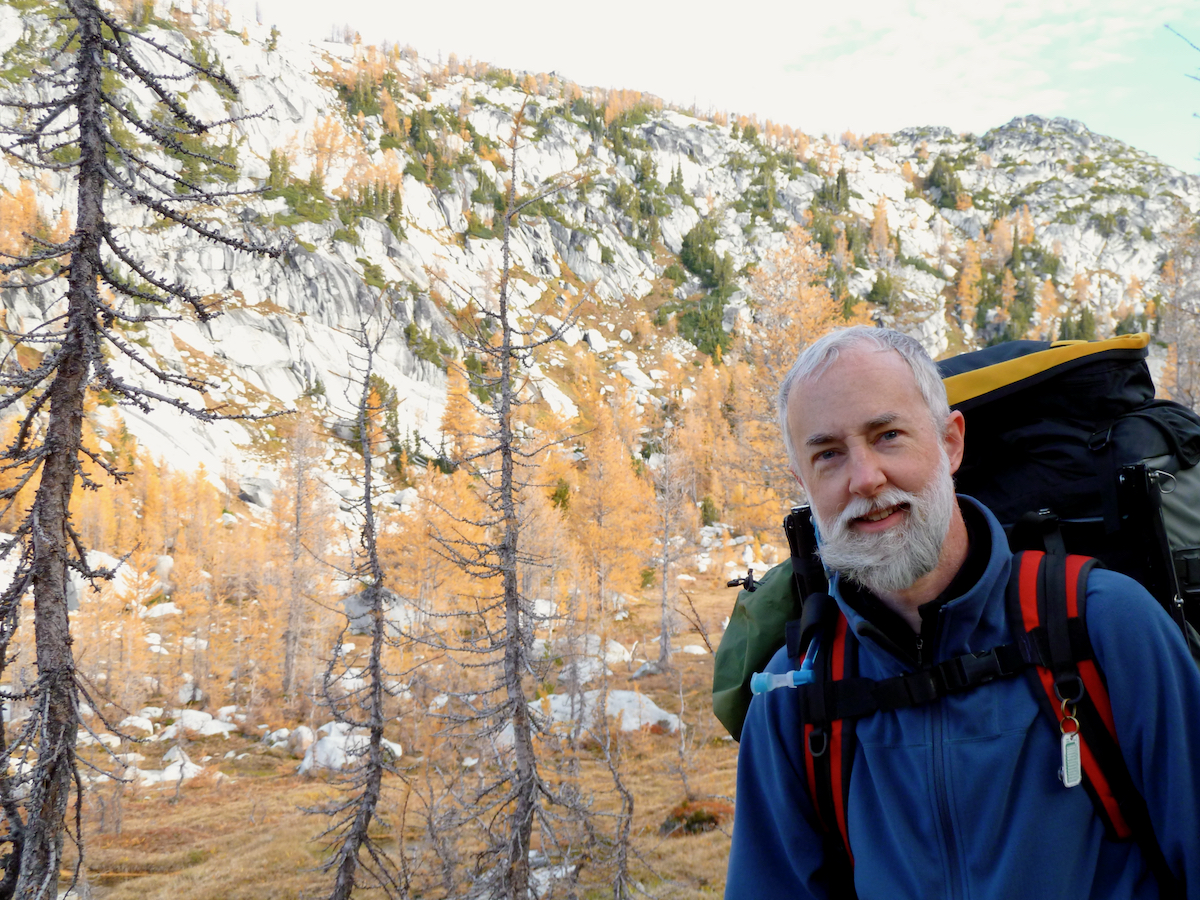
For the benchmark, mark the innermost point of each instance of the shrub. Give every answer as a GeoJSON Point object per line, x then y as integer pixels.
{"type": "Point", "coordinates": [675, 272]}
{"type": "Point", "coordinates": [943, 177]}
{"type": "Point", "coordinates": [695, 817]}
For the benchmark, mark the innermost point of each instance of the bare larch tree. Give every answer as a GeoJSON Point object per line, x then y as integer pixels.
{"type": "Point", "coordinates": [504, 808]}
{"type": "Point", "coordinates": [674, 513]}
{"type": "Point", "coordinates": [70, 119]}
{"type": "Point", "coordinates": [362, 708]}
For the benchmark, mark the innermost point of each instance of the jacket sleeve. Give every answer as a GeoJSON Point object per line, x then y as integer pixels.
{"type": "Point", "coordinates": [777, 847]}
{"type": "Point", "coordinates": [1154, 686]}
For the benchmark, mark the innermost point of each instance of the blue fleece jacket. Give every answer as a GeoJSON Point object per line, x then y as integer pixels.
{"type": "Point", "coordinates": [961, 798]}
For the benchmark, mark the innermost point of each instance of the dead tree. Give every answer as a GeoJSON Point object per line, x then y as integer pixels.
{"type": "Point", "coordinates": [303, 486]}
{"type": "Point", "coordinates": [361, 709]}
{"type": "Point", "coordinates": [503, 809]}
{"type": "Point", "coordinates": [674, 512]}
{"type": "Point", "coordinates": [69, 120]}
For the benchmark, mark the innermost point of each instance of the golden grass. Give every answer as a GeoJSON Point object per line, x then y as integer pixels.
{"type": "Point", "coordinates": [243, 834]}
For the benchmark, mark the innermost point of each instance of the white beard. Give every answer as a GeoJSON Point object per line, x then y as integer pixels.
{"type": "Point", "coordinates": [889, 561]}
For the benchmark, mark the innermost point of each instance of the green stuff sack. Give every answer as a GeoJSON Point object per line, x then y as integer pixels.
{"type": "Point", "coordinates": [757, 628]}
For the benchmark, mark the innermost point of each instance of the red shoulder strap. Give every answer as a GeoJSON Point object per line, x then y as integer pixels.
{"type": "Point", "coordinates": [1047, 603]}
{"type": "Point", "coordinates": [829, 753]}
{"type": "Point", "coordinates": [1037, 581]}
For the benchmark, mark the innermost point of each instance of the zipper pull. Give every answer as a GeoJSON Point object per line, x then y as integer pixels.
{"type": "Point", "coordinates": [920, 652]}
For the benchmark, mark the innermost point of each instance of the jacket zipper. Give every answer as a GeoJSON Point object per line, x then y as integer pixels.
{"type": "Point", "coordinates": [943, 801]}
{"type": "Point", "coordinates": [938, 712]}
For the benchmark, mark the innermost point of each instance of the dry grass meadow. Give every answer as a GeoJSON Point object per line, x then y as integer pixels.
{"type": "Point", "coordinates": [239, 830]}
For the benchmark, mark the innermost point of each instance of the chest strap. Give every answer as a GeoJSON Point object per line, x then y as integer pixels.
{"type": "Point", "coordinates": [831, 700]}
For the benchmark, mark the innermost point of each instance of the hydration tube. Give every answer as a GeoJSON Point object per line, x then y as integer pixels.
{"type": "Point", "coordinates": [762, 682]}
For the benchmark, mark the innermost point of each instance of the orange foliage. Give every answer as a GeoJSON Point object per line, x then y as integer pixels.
{"type": "Point", "coordinates": [1049, 311]}
{"type": "Point", "coordinates": [1025, 228]}
{"type": "Point", "coordinates": [793, 307]}
{"type": "Point", "coordinates": [610, 513]}
{"type": "Point", "coordinates": [330, 143]}
{"type": "Point", "coordinates": [618, 102]}
{"type": "Point", "coordinates": [1001, 240]}
{"type": "Point", "coordinates": [881, 237]}
{"type": "Point", "coordinates": [18, 217]}
{"type": "Point", "coordinates": [967, 290]}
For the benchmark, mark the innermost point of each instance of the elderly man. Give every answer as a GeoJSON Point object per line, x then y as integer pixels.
{"type": "Point", "coordinates": [959, 797]}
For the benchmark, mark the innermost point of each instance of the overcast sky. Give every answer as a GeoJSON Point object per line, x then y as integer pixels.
{"type": "Point", "coordinates": [867, 65]}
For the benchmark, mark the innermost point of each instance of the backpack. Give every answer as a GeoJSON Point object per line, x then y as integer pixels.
{"type": "Point", "coordinates": [1068, 447]}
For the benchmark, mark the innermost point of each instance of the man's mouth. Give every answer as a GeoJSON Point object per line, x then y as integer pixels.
{"type": "Point", "coordinates": [880, 514]}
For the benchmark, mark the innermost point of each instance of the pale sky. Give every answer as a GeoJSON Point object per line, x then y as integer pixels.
{"type": "Point", "coordinates": [867, 65]}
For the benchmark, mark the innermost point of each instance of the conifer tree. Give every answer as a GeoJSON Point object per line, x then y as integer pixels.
{"type": "Point", "coordinates": [357, 859]}
{"type": "Point", "coordinates": [675, 524]}
{"type": "Point", "coordinates": [793, 306]}
{"type": "Point", "coordinates": [77, 123]}
{"type": "Point", "coordinates": [611, 512]}
{"type": "Point", "coordinates": [969, 273]}
{"type": "Point", "coordinates": [881, 237]}
{"type": "Point", "coordinates": [491, 638]}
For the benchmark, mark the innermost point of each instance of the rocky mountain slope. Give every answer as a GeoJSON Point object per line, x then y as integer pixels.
{"type": "Point", "coordinates": [384, 173]}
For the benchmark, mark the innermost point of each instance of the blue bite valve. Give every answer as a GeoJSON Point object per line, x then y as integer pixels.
{"type": "Point", "coordinates": [761, 682]}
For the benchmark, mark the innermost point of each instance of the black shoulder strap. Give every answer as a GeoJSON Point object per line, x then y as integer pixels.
{"type": "Point", "coordinates": [1047, 606]}
{"type": "Point", "coordinates": [807, 569]}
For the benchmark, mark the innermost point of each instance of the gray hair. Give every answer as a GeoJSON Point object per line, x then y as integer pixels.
{"type": "Point", "coordinates": [817, 357]}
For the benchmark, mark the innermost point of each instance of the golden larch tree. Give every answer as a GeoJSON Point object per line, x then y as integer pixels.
{"type": "Point", "coordinates": [1049, 311]}
{"type": "Point", "coordinates": [881, 237]}
{"type": "Point", "coordinates": [967, 292]}
{"type": "Point", "coordinates": [610, 513]}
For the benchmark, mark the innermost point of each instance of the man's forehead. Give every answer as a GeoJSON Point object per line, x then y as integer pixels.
{"type": "Point", "coordinates": [864, 387]}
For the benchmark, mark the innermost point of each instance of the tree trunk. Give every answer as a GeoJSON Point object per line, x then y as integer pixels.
{"type": "Point", "coordinates": [56, 702]}
{"type": "Point", "coordinates": [524, 791]}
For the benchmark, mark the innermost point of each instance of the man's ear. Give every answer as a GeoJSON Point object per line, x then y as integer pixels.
{"type": "Point", "coordinates": [953, 439]}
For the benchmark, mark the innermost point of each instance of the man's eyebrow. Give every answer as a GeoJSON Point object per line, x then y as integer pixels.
{"type": "Point", "coordinates": [878, 421]}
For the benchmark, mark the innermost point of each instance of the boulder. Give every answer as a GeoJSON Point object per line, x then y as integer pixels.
{"type": "Point", "coordinates": [595, 340]}
{"type": "Point", "coordinates": [341, 747]}
{"type": "Point", "coordinates": [400, 614]}
{"type": "Point", "coordinates": [257, 491]}
{"type": "Point", "coordinates": [136, 723]}
{"type": "Point", "coordinates": [583, 671]}
{"type": "Point", "coordinates": [160, 610]}
{"type": "Point", "coordinates": [299, 740]}
{"type": "Point", "coordinates": [190, 693]}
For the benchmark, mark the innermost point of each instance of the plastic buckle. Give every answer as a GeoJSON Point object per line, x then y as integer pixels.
{"type": "Point", "coordinates": [924, 686]}
{"type": "Point", "coordinates": [950, 676]}
{"type": "Point", "coordinates": [980, 668]}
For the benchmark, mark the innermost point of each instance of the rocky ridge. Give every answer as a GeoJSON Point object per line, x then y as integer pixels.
{"type": "Point", "coordinates": [384, 184]}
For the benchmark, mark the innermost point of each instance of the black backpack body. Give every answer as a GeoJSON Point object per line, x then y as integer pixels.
{"type": "Point", "coordinates": [1069, 437]}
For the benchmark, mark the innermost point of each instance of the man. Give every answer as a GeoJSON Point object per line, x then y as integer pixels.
{"type": "Point", "coordinates": [961, 797]}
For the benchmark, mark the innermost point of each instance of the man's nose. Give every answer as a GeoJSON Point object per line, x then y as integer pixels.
{"type": "Point", "coordinates": [866, 474]}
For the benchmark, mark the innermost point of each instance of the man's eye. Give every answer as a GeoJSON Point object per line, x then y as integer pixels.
{"type": "Point", "coordinates": [889, 435]}
{"type": "Point", "coordinates": [826, 454]}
